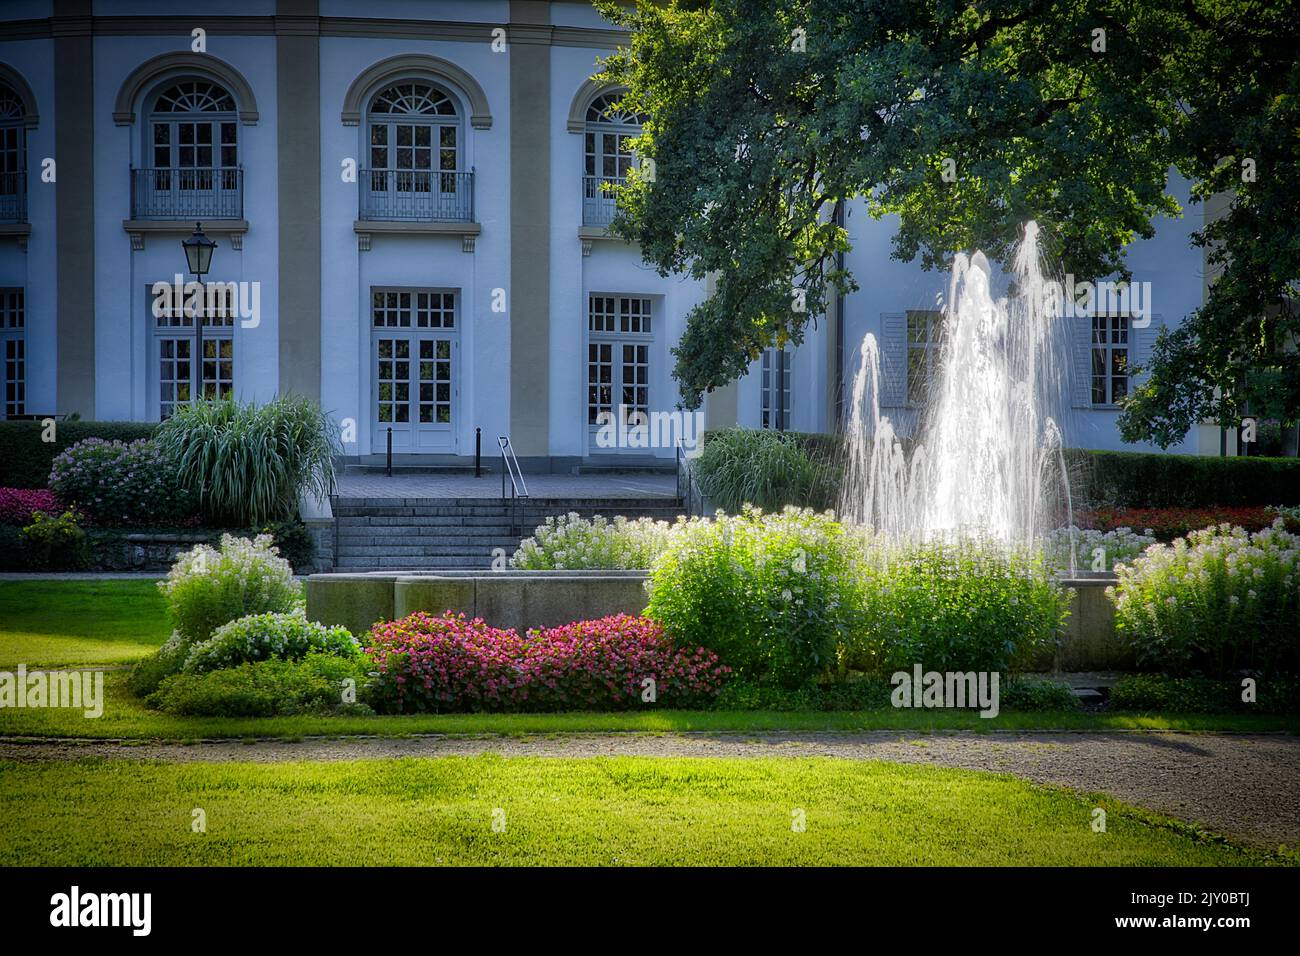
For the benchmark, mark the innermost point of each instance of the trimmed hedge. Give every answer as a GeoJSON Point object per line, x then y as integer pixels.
{"type": "Point", "coordinates": [1144, 480]}
{"type": "Point", "coordinates": [25, 460]}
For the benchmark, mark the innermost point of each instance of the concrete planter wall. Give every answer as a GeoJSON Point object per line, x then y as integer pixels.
{"type": "Point", "coordinates": [526, 599]}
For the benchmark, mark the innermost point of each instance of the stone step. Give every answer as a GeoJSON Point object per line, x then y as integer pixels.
{"type": "Point", "coordinates": [410, 562]}
{"type": "Point", "coordinates": [352, 542]}
{"type": "Point", "coordinates": [571, 504]}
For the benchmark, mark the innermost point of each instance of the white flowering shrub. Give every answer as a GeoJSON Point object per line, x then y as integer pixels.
{"type": "Point", "coordinates": [571, 543]}
{"type": "Point", "coordinates": [1117, 547]}
{"type": "Point", "coordinates": [207, 587]}
{"type": "Point", "coordinates": [1216, 601]}
{"type": "Point", "coordinates": [260, 637]}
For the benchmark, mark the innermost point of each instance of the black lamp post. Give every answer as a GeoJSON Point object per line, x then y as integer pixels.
{"type": "Point", "coordinates": [198, 256]}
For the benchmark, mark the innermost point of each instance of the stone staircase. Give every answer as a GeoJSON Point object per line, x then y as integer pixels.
{"type": "Point", "coordinates": [383, 534]}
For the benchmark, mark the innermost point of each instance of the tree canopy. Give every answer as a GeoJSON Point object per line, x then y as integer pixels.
{"type": "Point", "coordinates": [966, 119]}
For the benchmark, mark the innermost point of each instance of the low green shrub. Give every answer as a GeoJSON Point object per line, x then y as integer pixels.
{"type": "Point", "coordinates": [1158, 693]}
{"type": "Point", "coordinates": [55, 543]}
{"type": "Point", "coordinates": [293, 540]}
{"type": "Point", "coordinates": [150, 671]}
{"type": "Point", "coordinates": [26, 457]}
{"type": "Point", "coordinates": [317, 684]}
{"type": "Point", "coordinates": [1215, 602]}
{"type": "Point", "coordinates": [866, 693]}
{"type": "Point", "coordinates": [13, 549]}
{"type": "Point", "coordinates": [955, 607]}
{"type": "Point", "coordinates": [569, 542]}
{"type": "Point", "coordinates": [260, 637]}
{"type": "Point", "coordinates": [207, 587]}
{"type": "Point", "coordinates": [766, 469]}
{"type": "Point", "coordinates": [249, 463]}
{"type": "Point", "coordinates": [1035, 694]}
{"type": "Point", "coordinates": [772, 594]}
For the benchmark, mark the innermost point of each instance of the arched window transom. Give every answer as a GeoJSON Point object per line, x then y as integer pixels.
{"type": "Point", "coordinates": [194, 127]}
{"type": "Point", "coordinates": [416, 166]}
{"type": "Point", "coordinates": [13, 156]}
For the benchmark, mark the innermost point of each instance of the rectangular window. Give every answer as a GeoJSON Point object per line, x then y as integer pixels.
{"type": "Point", "coordinates": [178, 369]}
{"type": "Point", "coordinates": [776, 381]}
{"type": "Point", "coordinates": [412, 308]}
{"type": "Point", "coordinates": [13, 351]}
{"type": "Point", "coordinates": [1110, 365]}
{"type": "Point", "coordinates": [924, 329]}
{"type": "Point", "coordinates": [618, 355]}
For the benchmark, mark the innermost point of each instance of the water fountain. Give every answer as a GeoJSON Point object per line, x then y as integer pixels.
{"type": "Point", "coordinates": [986, 459]}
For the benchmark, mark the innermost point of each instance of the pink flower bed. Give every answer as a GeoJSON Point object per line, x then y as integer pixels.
{"type": "Point", "coordinates": [17, 505]}
{"type": "Point", "coordinates": [449, 663]}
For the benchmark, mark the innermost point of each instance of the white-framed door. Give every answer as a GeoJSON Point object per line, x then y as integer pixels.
{"type": "Point", "coordinates": [415, 374]}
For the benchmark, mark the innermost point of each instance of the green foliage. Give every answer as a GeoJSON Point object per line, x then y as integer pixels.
{"type": "Point", "coordinates": [1158, 693]}
{"type": "Point", "coordinates": [55, 543]}
{"type": "Point", "coordinates": [574, 543]}
{"type": "Point", "coordinates": [1214, 602]}
{"type": "Point", "coordinates": [1031, 694]}
{"type": "Point", "coordinates": [1138, 480]}
{"type": "Point", "coordinates": [121, 483]}
{"type": "Point", "coordinates": [959, 607]}
{"type": "Point", "coordinates": [772, 595]}
{"type": "Point", "coordinates": [25, 459]}
{"type": "Point", "coordinates": [268, 688]}
{"type": "Point", "coordinates": [13, 555]}
{"type": "Point", "coordinates": [206, 587]}
{"type": "Point", "coordinates": [869, 693]}
{"type": "Point", "coordinates": [249, 463]}
{"type": "Point", "coordinates": [259, 637]}
{"type": "Point", "coordinates": [764, 468]}
{"type": "Point", "coordinates": [292, 538]}
{"type": "Point", "coordinates": [150, 671]}
{"type": "Point", "coordinates": [757, 137]}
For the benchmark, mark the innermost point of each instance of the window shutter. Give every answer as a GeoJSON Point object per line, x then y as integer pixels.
{"type": "Point", "coordinates": [1143, 341]}
{"type": "Point", "coordinates": [1081, 347]}
{"type": "Point", "coordinates": [893, 359]}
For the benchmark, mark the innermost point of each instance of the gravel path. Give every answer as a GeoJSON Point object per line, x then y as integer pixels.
{"type": "Point", "coordinates": [1246, 787]}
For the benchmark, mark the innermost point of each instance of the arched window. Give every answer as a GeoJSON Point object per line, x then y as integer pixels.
{"type": "Point", "coordinates": [193, 146]}
{"type": "Point", "coordinates": [13, 157]}
{"type": "Point", "coordinates": [416, 155]}
{"type": "Point", "coordinates": [609, 130]}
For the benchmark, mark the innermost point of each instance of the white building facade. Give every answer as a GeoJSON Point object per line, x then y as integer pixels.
{"type": "Point", "coordinates": [408, 200]}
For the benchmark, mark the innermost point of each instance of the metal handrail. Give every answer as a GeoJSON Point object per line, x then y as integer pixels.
{"type": "Point", "coordinates": [13, 196]}
{"type": "Point", "coordinates": [518, 487]}
{"type": "Point", "coordinates": [598, 203]}
{"type": "Point", "coordinates": [684, 467]}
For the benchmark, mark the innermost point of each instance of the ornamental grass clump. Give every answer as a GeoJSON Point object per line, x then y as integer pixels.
{"type": "Point", "coordinates": [569, 542]}
{"type": "Point", "coordinates": [448, 664]}
{"type": "Point", "coordinates": [773, 594]}
{"type": "Point", "coordinates": [249, 463]}
{"type": "Point", "coordinates": [1216, 602]}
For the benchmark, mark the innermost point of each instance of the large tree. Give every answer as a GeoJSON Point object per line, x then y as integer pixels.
{"type": "Point", "coordinates": [963, 119]}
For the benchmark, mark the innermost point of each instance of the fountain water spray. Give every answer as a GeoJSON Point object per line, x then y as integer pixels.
{"type": "Point", "coordinates": [986, 461]}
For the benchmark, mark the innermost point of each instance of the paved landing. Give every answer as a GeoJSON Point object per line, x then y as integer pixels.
{"type": "Point", "coordinates": [649, 485]}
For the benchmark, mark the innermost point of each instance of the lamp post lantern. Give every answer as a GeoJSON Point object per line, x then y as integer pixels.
{"type": "Point", "coordinates": [198, 256]}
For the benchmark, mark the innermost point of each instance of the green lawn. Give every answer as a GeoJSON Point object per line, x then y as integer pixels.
{"type": "Point", "coordinates": [604, 811]}
{"type": "Point", "coordinates": [78, 623]}
{"type": "Point", "coordinates": [56, 623]}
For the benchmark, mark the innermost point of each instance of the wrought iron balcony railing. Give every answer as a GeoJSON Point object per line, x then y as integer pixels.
{"type": "Point", "coordinates": [13, 197]}
{"type": "Point", "coordinates": [187, 193]}
{"type": "Point", "coordinates": [598, 205]}
{"type": "Point", "coordinates": [417, 195]}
